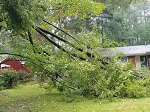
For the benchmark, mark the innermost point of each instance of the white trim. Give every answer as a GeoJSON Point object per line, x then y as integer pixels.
{"type": "Point", "coordinates": [5, 65]}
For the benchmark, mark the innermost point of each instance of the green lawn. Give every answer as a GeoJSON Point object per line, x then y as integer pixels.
{"type": "Point", "coordinates": [32, 98]}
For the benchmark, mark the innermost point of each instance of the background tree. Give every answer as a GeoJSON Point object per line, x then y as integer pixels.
{"type": "Point", "coordinates": [112, 22]}
{"type": "Point", "coordinates": [137, 22]}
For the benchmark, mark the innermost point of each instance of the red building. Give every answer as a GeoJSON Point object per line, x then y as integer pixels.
{"type": "Point", "coordinates": [13, 64]}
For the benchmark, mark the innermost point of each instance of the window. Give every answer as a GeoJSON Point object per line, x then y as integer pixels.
{"type": "Point", "coordinates": [124, 59]}
{"type": "Point", "coordinates": [143, 60]}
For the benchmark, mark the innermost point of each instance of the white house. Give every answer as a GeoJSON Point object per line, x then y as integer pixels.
{"type": "Point", "coordinates": [139, 55]}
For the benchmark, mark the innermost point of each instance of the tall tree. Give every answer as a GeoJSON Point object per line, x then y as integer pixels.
{"type": "Point", "coordinates": [137, 23]}
{"type": "Point", "coordinates": [111, 23]}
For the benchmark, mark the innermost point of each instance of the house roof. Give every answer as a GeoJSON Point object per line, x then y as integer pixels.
{"type": "Point", "coordinates": [5, 60]}
{"type": "Point", "coordinates": [10, 59]}
{"type": "Point", "coordinates": [128, 50]}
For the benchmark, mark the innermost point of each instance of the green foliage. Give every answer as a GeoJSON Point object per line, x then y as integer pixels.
{"type": "Point", "coordinates": [68, 68]}
{"type": "Point", "coordinates": [147, 85]}
{"type": "Point", "coordinates": [20, 15]}
{"type": "Point", "coordinates": [24, 77]}
{"type": "Point", "coordinates": [116, 80]}
{"type": "Point", "coordinates": [9, 78]}
{"type": "Point", "coordinates": [117, 24]}
{"type": "Point", "coordinates": [79, 8]}
{"type": "Point", "coordinates": [119, 81]}
{"type": "Point", "coordinates": [90, 77]}
{"type": "Point", "coordinates": [136, 89]}
{"type": "Point", "coordinates": [75, 25]}
{"type": "Point", "coordinates": [137, 24]}
{"type": "Point", "coordinates": [115, 75]}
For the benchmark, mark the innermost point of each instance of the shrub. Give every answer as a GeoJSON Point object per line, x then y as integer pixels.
{"type": "Point", "coordinates": [135, 90]}
{"type": "Point", "coordinates": [147, 85]}
{"type": "Point", "coordinates": [1, 83]}
{"type": "Point", "coordinates": [9, 78]}
{"type": "Point", "coordinates": [21, 75]}
{"type": "Point", "coordinates": [24, 77]}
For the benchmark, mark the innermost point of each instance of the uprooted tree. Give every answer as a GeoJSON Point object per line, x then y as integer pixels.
{"type": "Point", "coordinates": [71, 63]}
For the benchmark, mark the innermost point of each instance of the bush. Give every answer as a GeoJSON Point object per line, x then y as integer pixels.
{"type": "Point", "coordinates": [135, 90]}
{"type": "Point", "coordinates": [9, 78]}
{"type": "Point", "coordinates": [121, 81]}
{"type": "Point", "coordinates": [1, 83]}
{"type": "Point", "coordinates": [147, 85]}
{"type": "Point", "coordinates": [24, 77]}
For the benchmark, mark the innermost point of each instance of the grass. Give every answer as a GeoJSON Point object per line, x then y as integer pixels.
{"type": "Point", "coordinates": [32, 98]}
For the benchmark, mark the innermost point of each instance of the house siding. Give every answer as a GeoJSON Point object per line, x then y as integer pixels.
{"type": "Point", "coordinates": [138, 63]}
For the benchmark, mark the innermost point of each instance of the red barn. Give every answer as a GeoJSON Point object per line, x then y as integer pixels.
{"type": "Point", "coordinates": [13, 64]}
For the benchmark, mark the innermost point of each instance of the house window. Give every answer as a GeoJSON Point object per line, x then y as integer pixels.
{"type": "Point", "coordinates": [124, 59]}
{"type": "Point", "coordinates": [148, 61]}
{"type": "Point", "coordinates": [143, 60]}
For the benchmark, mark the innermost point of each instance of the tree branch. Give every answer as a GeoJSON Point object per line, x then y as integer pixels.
{"type": "Point", "coordinates": [89, 47]}
{"type": "Point", "coordinates": [57, 45]}
{"type": "Point", "coordinates": [60, 38]}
